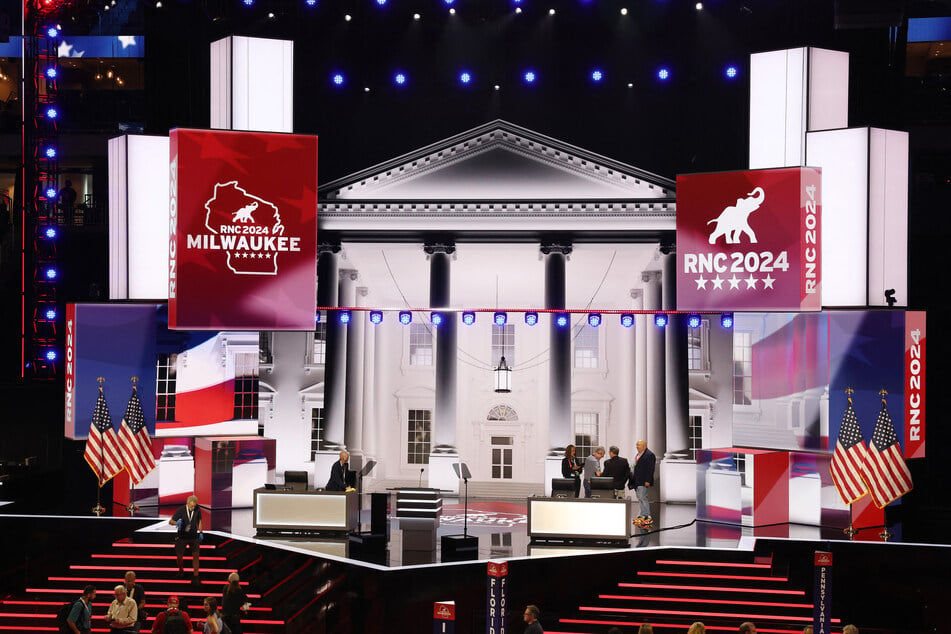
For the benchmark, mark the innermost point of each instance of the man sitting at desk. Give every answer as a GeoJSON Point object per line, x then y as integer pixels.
{"type": "Point", "coordinates": [340, 475]}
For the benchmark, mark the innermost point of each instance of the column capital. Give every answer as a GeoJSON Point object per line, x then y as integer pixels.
{"type": "Point", "coordinates": [362, 291]}
{"type": "Point", "coordinates": [348, 274]}
{"type": "Point", "coordinates": [448, 247]}
{"type": "Point", "coordinates": [547, 248]}
{"type": "Point", "coordinates": [328, 247]}
{"type": "Point", "coordinates": [652, 276]}
{"type": "Point", "coordinates": [637, 293]}
{"type": "Point", "coordinates": [668, 247]}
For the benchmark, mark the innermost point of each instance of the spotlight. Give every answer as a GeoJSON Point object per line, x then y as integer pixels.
{"type": "Point", "coordinates": [344, 317]}
{"type": "Point", "coordinates": [499, 318]}
{"type": "Point", "coordinates": [270, 16]}
{"type": "Point", "coordinates": [348, 17]}
{"type": "Point", "coordinates": [50, 314]}
{"type": "Point", "coordinates": [248, 3]}
{"type": "Point", "coordinates": [693, 321]}
{"type": "Point", "coordinates": [51, 152]}
{"type": "Point", "coordinates": [50, 232]}
{"type": "Point", "coordinates": [448, 1]}
{"type": "Point", "coordinates": [594, 319]}
{"type": "Point", "coordinates": [627, 320]}
{"type": "Point", "coordinates": [337, 79]}
{"type": "Point", "coordinates": [317, 317]}
{"type": "Point", "coordinates": [417, 16]}
{"type": "Point", "coordinates": [529, 77]}
{"type": "Point", "coordinates": [660, 320]}
{"type": "Point", "coordinates": [518, 9]}
{"type": "Point", "coordinates": [623, 10]}
{"type": "Point", "coordinates": [596, 75]}
{"type": "Point", "coordinates": [699, 6]}
{"type": "Point", "coordinates": [562, 320]}
{"type": "Point", "coordinates": [376, 316]}
{"type": "Point", "coordinates": [310, 3]}
{"type": "Point", "coordinates": [406, 317]}
{"type": "Point", "coordinates": [465, 77]}
{"type": "Point", "coordinates": [436, 318]}
{"type": "Point", "coordinates": [52, 32]}
{"type": "Point", "coordinates": [51, 355]}
{"type": "Point", "coordinates": [468, 317]}
{"type": "Point", "coordinates": [51, 72]}
{"type": "Point", "coordinates": [731, 72]}
{"type": "Point", "coordinates": [551, 12]}
{"type": "Point", "coordinates": [531, 318]}
{"type": "Point", "coordinates": [50, 273]}
{"type": "Point", "coordinates": [381, 2]}
{"type": "Point", "coordinates": [663, 74]}
{"type": "Point", "coordinates": [726, 320]}
{"type": "Point", "coordinates": [51, 113]}
{"type": "Point", "coordinates": [452, 11]}
{"type": "Point", "coordinates": [51, 193]}
{"type": "Point", "coordinates": [399, 79]}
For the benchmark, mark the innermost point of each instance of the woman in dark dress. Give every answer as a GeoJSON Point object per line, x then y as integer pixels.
{"type": "Point", "coordinates": [571, 467]}
{"type": "Point", "coordinates": [233, 603]}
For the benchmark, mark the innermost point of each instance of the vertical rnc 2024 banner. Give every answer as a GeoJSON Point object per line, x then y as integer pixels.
{"type": "Point", "coordinates": [749, 240]}
{"type": "Point", "coordinates": [242, 230]}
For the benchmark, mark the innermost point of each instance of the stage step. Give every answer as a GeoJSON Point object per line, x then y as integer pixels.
{"type": "Point", "coordinates": [719, 588]}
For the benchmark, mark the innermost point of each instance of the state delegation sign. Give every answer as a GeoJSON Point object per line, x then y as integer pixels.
{"type": "Point", "coordinates": [242, 230]}
{"type": "Point", "coordinates": [749, 240]}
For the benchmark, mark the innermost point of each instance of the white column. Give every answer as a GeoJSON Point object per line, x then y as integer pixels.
{"type": "Point", "coordinates": [353, 416]}
{"type": "Point", "coordinates": [335, 396]}
{"type": "Point", "coordinates": [656, 373]}
{"type": "Point", "coordinates": [641, 324]}
{"type": "Point", "coordinates": [675, 357]}
{"type": "Point", "coordinates": [370, 422]}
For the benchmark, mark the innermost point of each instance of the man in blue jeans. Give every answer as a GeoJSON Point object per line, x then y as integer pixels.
{"type": "Point", "coordinates": [592, 468]}
{"type": "Point", "coordinates": [642, 478]}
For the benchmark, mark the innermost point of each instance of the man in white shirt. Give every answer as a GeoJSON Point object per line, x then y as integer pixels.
{"type": "Point", "coordinates": [123, 612]}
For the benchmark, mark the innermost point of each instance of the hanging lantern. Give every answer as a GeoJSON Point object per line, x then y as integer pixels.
{"type": "Point", "coordinates": [503, 377]}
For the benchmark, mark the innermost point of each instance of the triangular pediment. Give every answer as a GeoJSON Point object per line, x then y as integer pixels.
{"type": "Point", "coordinates": [499, 161]}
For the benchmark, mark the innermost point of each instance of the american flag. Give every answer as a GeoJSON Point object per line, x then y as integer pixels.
{"type": "Point", "coordinates": [102, 446]}
{"type": "Point", "coordinates": [885, 470]}
{"type": "Point", "coordinates": [135, 442]}
{"type": "Point", "coordinates": [848, 459]}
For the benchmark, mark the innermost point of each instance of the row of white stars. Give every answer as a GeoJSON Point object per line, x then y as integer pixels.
{"type": "Point", "coordinates": [734, 282]}
{"type": "Point", "coordinates": [246, 254]}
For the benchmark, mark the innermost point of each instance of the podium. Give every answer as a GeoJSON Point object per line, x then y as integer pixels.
{"type": "Point", "coordinates": [295, 511]}
{"type": "Point", "coordinates": [418, 511]}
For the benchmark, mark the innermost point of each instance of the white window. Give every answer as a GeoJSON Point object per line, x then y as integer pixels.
{"type": "Point", "coordinates": [587, 347]}
{"type": "Point", "coordinates": [586, 433]}
{"type": "Point", "coordinates": [502, 413]}
{"type": "Point", "coordinates": [316, 430]}
{"type": "Point", "coordinates": [502, 457]}
{"type": "Point", "coordinates": [165, 386]}
{"type": "Point", "coordinates": [420, 344]}
{"type": "Point", "coordinates": [318, 352]}
{"type": "Point", "coordinates": [742, 368]}
{"type": "Point", "coordinates": [245, 385]}
{"type": "Point", "coordinates": [696, 435]}
{"type": "Point", "coordinates": [698, 346]}
{"type": "Point", "coordinates": [503, 344]}
{"type": "Point", "coordinates": [419, 438]}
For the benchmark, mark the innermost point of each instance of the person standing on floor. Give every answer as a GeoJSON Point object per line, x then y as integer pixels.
{"type": "Point", "coordinates": [79, 619]}
{"type": "Point", "coordinates": [188, 521]}
{"type": "Point", "coordinates": [618, 468]}
{"type": "Point", "coordinates": [172, 620]}
{"type": "Point", "coordinates": [123, 613]}
{"type": "Point", "coordinates": [137, 593]}
{"type": "Point", "coordinates": [592, 469]}
{"type": "Point", "coordinates": [570, 468]}
{"type": "Point", "coordinates": [642, 478]}
{"type": "Point", "coordinates": [234, 603]}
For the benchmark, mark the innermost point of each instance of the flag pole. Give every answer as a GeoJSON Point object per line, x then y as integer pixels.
{"type": "Point", "coordinates": [99, 509]}
{"type": "Point", "coordinates": [131, 507]}
{"type": "Point", "coordinates": [885, 534]}
{"type": "Point", "coordinates": [850, 531]}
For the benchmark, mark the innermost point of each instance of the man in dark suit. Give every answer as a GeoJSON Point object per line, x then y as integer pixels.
{"type": "Point", "coordinates": [642, 478]}
{"type": "Point", "coordinates": [339, 474]}
{"type": "Point", "coordinates": [618, 468]}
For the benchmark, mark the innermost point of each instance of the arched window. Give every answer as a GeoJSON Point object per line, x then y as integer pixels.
{"type": "Point", "coordinates": [502, 413]}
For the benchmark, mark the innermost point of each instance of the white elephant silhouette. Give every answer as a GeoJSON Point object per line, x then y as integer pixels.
{"type": "Point", "coordinates": [734, 220]}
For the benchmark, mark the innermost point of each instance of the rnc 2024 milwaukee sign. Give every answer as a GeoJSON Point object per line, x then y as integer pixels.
{"type": "Point", "coordinates": [242, 231]}
{"type": "Point", "coordinates": [749, 240]}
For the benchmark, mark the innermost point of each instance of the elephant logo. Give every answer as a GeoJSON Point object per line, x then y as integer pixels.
{"type": "Point", "coordinates": [734, 220]}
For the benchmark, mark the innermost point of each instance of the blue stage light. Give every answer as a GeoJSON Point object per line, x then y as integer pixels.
{"type": "Point", "coordinates": [381, 2]}
{"type": "Point", "coordinates": [50, 232]}
{"type": "Point", "coordinates": [344, 317]}
{"type": "Point", "coordinates": [448, 1]}
{"type": "Point", "coordinates": [594, 319]}
{"type": "Point", "coordinates": [50, 273]}
{"type": "Point", "coordinates": [531, 318]}
{"type": "Point", "coordinates": [660, 320]}
{"type": "Point", "coordinates": [627, 320]}
{"type": "Point", "coordinates": [51, 113]}
{"type": "Point", "coordinates": [317, 317]}
{"type": "Point", "coordinates": [310, 3]}
{"type": "Point", "coordinates": [51, 193]}
{"type": "Point", "coordinates": [51, 152]}
{"type": "Point", "coordinates": [52, 31]}
{"type": "Point", "coordinates": [663, 74]}
{"type": "Point", "coordinates": [50, 314]}
{"type": "Point", "coordinates": [468, 318]}
{"type": "Point", "coordinates": [376, 316]}
{"type": "Point", "coordinates": [693, 321]}
{"type": "Point", "coordinates": [529, 77]}
{"type": "Point", "coordinates": [248, 3]}
{"type": "Point", "coordinates": [338, 79]}
{"type": "Point", "coordinates": [406, 317]}
{"type": "Point", "coordinates": [51, 72]}
{"type": "Point", "coordinates": [436, 319]}
{"type": "Point", "coordinates": [465, 77]}
{"type": "Point", "coordinates": [562, 320]}
{"type": "Point", "coordinates": [51, 355]}
{"type": "Point", "coordinates": [726, 320]}
{"type": "Point", "coordinates": [731, 72]}
{"type": "Point", "coordinates": [399, 79]}
{"type": "Point", "coordinates": [597, 75]}
{"type": "Point", "coordinates": [499, 318]}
